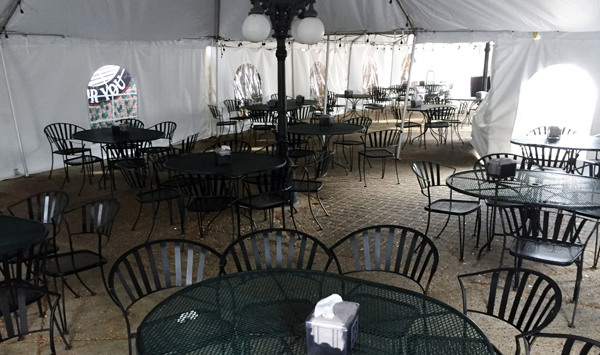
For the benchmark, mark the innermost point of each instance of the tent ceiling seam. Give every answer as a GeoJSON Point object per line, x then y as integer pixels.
{"type": "Point", "coordinates": [10, 13]}
{"type": "Point", "coordinates": [410, 23]}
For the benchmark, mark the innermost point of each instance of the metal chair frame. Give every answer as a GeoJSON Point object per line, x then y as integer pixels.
{"type": "Point", "coordinates": [379, 145]}
{"type": "Point", "coordinates": [59, 137]}
{"type": "Point", "coordinates": [351, 143]}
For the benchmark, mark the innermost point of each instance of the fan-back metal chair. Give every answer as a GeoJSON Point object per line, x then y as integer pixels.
{"type": "Point", "coordinates": [344, 141]}
{"type": "Point", "coordinates": [217, 114]}
{"type": "Point", "coordinates": [59, 136]}
{"type": "Point", "coordinates": [235, 145]}
{"type": "Point", "coordinates": [379, 145]}
{"type": "Point", "coordinates": [574, 344]}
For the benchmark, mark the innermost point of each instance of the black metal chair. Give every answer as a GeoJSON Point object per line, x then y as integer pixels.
{"type": "Point", "coordinates": [378, 103]}
{"type": "Point", "coordinates": [574, 344]}
{"type": "Point", "coordinates": [313, 171]}
{"type": "Point", "coordinates": [96, 219]}
{"type": "Point", "coordinates": [59, 136]}
{"type": "Point", "coordinates": [379, 145]}
{"type": "Point", "coordinates": [332, 104]}
{"type": "Point", "coordinates": [441, 119]}
{"type": "Point", "coordinates": [235, 145]}
{"type": "Point", "coordinates": [186, 146]}
{"type": "Point", "coordinates": [86, 161]}
{"type": "Point", "coordinates": [389, 248]}
{"type": "Point", "coordinates": [525, 299]}
{"type": "Point", "coordinates": [168, 128]}
{"type": "Point", "coordinates": [408, 124]}
{"type": "Point", "coordinates": [553, 237]}
{"type": "Point", "coordinates": [237, 112]}
{"type": "Point", "coordinates": [270, 149]}
{"type": "Point", "coordinates": [301, 114]}
{"type": "Point", "coordinates": [20, 286]}
{"type": "Point", "coordinates": [130, 152]}
{"type": "Point", "coordinates": [265, 192]}
{"type": "Point", "coordinates": [46, 207]}
{"type": "Point", "coordinates": [262, 121]}
{"type": "Point", "coordinates": [131, 122]}
{"type": "Point", "coordinates": [547, 158]}
{"type": "Point", "coordinates": [298, 147]}
{"type": "Point", "coordinates": [203, 195]}
{"type": "Point", "coordinates": [276, 249]}
{"type": "Point", "coordinates": [158, 265]}
{"type": "Point", "coordinates": [148, 190]}
{"type": "Point", "coordinates": [543, 130]}
{"type": "Point", "coordinates": [344, 141]}
{"type": "Point", "coordinates": [432, 175]}
{"type": "Point", "coordinates": [217, 114]}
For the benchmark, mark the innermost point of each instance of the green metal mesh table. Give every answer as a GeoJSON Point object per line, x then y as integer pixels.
{"type": "Point", "coordinates": [263, 312]}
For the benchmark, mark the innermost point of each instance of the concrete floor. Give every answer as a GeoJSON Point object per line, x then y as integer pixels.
{"type": "Point", "coordinates": [97, 326]}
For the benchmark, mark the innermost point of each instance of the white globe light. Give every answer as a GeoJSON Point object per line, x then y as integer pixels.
{"type": "Point", "coordinates": [295, 25]}
{"type": "Point", "coordinates": [310, 30]}
{"type": "Point", "coordinates": [256, 28]}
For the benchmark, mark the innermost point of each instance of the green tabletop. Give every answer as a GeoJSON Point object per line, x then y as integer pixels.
{"type": "Point", "coordinates": [264, 312]}
{"type": "Point", "coordinates": [19, 233]}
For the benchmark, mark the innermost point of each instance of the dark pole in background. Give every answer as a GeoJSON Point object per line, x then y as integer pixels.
{"type": "Point", "coordinates": [485, 67]}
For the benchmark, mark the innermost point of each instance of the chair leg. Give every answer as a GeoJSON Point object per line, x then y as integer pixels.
{"type": "Point", "coordinates": [321, 203]}
{"type": "Point", "coordinates": [312, 212]}
{"type": "Point", "coordinates": [51, 164]}
{"type": "Point", "coordinates": [396, 166]}
{"type": "Point", "coordinates": [579, 264]}
{"type": "Point", "coordinates": [461, 237]}
{"type": "Point", "coordinates": [138, 217]}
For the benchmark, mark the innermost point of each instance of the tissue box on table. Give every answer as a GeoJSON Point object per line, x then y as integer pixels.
{"type": "Point", "coordinates": [416, 101]}
{"type": "Point", "coordinates": [501, 168]}
{"type": "Point", "coordinates": [554, 133]}
{"type": "Point", "coordinates": [348, 93]}
{"type": "Point", "coordinates": [223, 155]}
{"type": "Point", "coordinates": [332, 328]}
{"type": "Point", "coordinates": [325, 120]}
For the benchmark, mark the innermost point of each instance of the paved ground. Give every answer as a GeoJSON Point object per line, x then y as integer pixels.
{"type": "Point", "coordinates": [97, 326]}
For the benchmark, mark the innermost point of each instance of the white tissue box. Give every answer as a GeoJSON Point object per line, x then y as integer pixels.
{"type": "Point", "coordinates": [336, 335]}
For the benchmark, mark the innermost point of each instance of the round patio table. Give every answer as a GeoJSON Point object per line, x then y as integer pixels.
{"type": "Point", "coordinates": [572, 142]}
{"type": "Point", "coordinates": [291, 105]}
{"type": "Point", "coordinates": [264, 312]}
{"type": "Point", "coordinates": [354, 99]}
{"type": "Point", "coordinates": [19, 233]}
{"type": "Point", "coordinates": [241, 164]}
{"type": "Point", "coordinates": [105, 135]}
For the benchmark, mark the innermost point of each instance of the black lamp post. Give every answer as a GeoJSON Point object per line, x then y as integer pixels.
{"type": "Point", "coordinates": [309, 29]}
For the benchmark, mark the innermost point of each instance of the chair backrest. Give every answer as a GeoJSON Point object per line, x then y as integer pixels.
{"type": "Point", "coordinates": [235, 145]}
{"type": "Point", "coordinates": [552, 225]}
{"type": "Point", "coordinates": [433, 88]}
{"type": "Point", "coordinates": [318, 166]}
{"type": "Point", "coordinates": [216, 112]}
{"type": "Point", "coordinates": [167, 127]}
{"type": "Point", "coordinates": [192, 185]}
{"type": "Point", "coordinates": [389, 248]}
{"type": "Point", "coordinates": [25, 264]}
{"type": "Point", "coordinates": [276, 97]}
{"type": "Point", "coordinates": [276, 248]}
{"type": "Point", "coordinates": [135, 176]}
{"type": "Point", "coordinates": [94, 217]}
{"type": "Point", "coordinates": [302, 113]}
{"type": "Point", "coordinates": [379, 94]}
{"type": "Point", "coordinates": [431, 99]}
{"type": "Point", "coordinates": [526, 299]}
{"type": "Point", "coordinates": [123, 151]}
{"type": "Point", "coordinates": [381, 139]}
{"type": "Point", "coordinates": [131, 122]}
{"type": "Point", "coordinates": [441, 113]}
{"type": "Point", "coordinates": [270, 149]}
{"type": "Point", "coordinates": [522, 161]}
{"type": "Point", "coordinates": [59, 134]}
{"type": "Point", "coordinates": [46, 207]}
{"type": "Point", "coordinates": [187, 145]}
{"type": "Point", "coordinates": [232, 106]}
{"type": "Point", "coordinates": [278, 181]}
{"type": "Point", "coordinates": [158, 159]}
{"type": "Point", "coordinates": [361, 121]}
{"type": "Point", "coordinates": [430, 174]}
{"type": "Point", "coordinates": [263, 116]}
{"type": "Point", "coordinates": [543, 130]}
{"type": "Point", "coordinates": [574, 344]}
{"type": "Point", "coordinates": [331, 100]}
{"type": "Point", "coordinates": [158, 265]}
{"type": "Point", "coordinates": [549, 157]}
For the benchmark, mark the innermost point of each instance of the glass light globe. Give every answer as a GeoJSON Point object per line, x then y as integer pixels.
{"type": "Point", "coordinates": [295, 25]}
{"type": "Point", "coordinates": [310, 30]}
{"type": "Point", "coordinates": [256, 28]}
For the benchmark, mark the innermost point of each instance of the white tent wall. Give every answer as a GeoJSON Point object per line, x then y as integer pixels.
{"type": "Point", "coordinates": [10, 158]}
{"type": "Point", "coordinates": [48, 78]}
{"type": "Point", "coordinates": [517, 57]}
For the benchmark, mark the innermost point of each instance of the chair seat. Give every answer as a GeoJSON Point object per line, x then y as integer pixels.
{"type": "Point", "coordinates": [70, 263]}
{"type": "Point", "coordinates": [437, 124]}
{"type": "Point", "coordinates": [162, 194]}
{"type": "Point", "coordinates": [377, 153]}
{"type": "Point", "coordinates": [264, 201]}
{"type": "Point", "coordinates": [227, 123]}
{"type": "Point", "coordinates": [301, 153]}
{"type": "Point", "coordinates": [83, 160]}
{"type": "Point", "coordinates": [554, 253]}
{"type": "Point", "coordinates": [72, 151]}
{"type": "Point", "coordinates": [306, 185]}
{"type": "Point", "coordinates": [502, 204]}
{"type": "Point", "coordinates": [210, 204]}
{"type": "Point", "coordinates": [453, 207]}
{"type": "Point", "coordinates": [349, 142]}
{"type": "Point", "coordinates": [263, 127]}
{"type": "Point", "coordinates": [156, 150]}
{"type": "Point", "coordinates": [374, 106]}
{"type": "Point", "coordinates": [409, 125]}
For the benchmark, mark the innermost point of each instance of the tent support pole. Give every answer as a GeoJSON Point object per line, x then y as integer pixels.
{"type": "Point", "coordinates": [485, 66]}
{"type": "Point", "coordinates": [392, 66]}
{"type": "Point", "coordinates": [410, 66]}
{"type": "Point", "coordinates": [12, 108]}
{"type": "Point", "coordinates": [326, 92]}
{"type": "Point", "coordinates": [217, 36]}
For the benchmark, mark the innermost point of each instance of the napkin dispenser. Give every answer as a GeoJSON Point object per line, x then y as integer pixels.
{"type": "Point", "coordinates": [553, 133]}
{"type": "Point", "coordinates": [325, 120]}
{"type": "Point", "coordinates": [480, 95]}
{"type": "Point", "coordinates": [332, 328]}
{"type": "Point", "coordinates": [299, 99]}
{"type": "Point", "coordinates": [119, 129]}
{"type": "Point", "coordinates": [416, 102]}
{"type": "Point", "coordinates": [348, 93]}
{"type": "Point", "coordinates": [272, 103]}
{"type": "Point", "coordinates": [501, 168]}
{"type": "Point", "coordinates": [223, 155]}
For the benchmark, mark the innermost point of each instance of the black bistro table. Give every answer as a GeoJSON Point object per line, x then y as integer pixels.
{"type": "Point", "coordinates": [105, 135]}
{"type": "Point", "coordinates": [19, 234]}
{"type": "Point", "coordinates": [241, 164]}
{"type": "Point", "coordinates": [264, 312]}
{"type": "Point", "coordinates": [354, 99]}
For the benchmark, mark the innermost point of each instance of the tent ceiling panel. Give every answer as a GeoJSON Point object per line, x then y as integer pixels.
{"type": "Point", "coordinates": [512, 15]}
{"type": "Point", "coordinates": [147, 20]}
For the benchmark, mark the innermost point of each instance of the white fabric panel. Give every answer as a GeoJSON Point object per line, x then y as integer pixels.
{"type": "Point", "coordinates": [304, 59]}
{"type": "Point", "coordinates": [49, 77]}
{"type": "Point", "coordinates": [515, 15]}
{"type": "Point", "coordinates": [146, 20]}
{"type": "Point", "coordinates": [10, 159]}
{"type": "Point", "coordinates": [517, 57]}
{"type": "Point", "coordinates": [456, 37]}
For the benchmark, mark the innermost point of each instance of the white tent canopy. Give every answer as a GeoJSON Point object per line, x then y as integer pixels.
{"type": "Point", "coordinates": [170, 49]}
